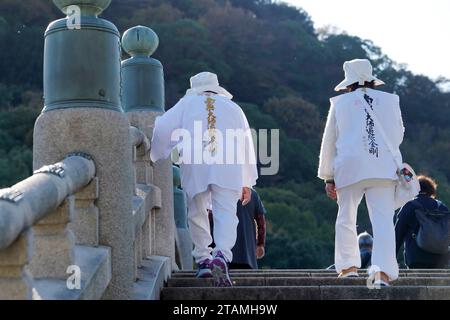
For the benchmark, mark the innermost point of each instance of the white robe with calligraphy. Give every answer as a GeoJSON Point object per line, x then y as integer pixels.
{"type": "Point", "coordinates": [348, 155]}
{"type": "Point", "coordinates": [191, 114]}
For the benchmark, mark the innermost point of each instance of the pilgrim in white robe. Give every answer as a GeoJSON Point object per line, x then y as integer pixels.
{"type": "Point", "coordinates": [354, 154]}
{"type": "Point", "coordinates": [203, 127]}
{"type": "Point", "coordinates": [190, 114]}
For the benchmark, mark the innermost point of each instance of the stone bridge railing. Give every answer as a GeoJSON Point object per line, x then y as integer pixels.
{"type": "Point", "coordinates": [96, 219]}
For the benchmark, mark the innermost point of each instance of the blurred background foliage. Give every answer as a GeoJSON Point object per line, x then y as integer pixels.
{"type": "Point", "coordinates": [279, 68]}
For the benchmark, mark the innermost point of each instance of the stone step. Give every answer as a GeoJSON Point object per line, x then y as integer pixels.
{"type": "Point", "coordinates": [298, 284]}
{"type": "Point", "coordinates": [312, 271]}
{"type": "Point", "coordinates": [309, 271]}
{"type": "Point", "coordinates": [306, 281]}
{"type": "Point", "coordinates": [300, 274]}
{"type": "Point", "coordinates": [333, 292]}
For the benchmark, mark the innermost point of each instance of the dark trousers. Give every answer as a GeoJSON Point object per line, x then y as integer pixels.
{"type": "Point", "coordinates": [239, 266]}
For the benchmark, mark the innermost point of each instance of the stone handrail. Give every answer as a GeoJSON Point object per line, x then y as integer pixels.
{"type": "Point", "coordinates": [22, 205]}
{"type": "Point", "coordinates": [139, 139]}
{"type": "Point", "coordinates": [75, 230]}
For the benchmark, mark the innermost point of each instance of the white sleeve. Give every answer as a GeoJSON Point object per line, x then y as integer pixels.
{"type": "Point", "coordinates": [401, 127]}
{"type": "Point", "coordinates": [249, 169]}
{"type": "Point", "coordinates": [328, 147]}
{"type": "Point", "coordinates": [162, 144]}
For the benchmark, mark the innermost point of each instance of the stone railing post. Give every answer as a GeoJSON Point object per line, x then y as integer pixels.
{"type": "Point", "coordinates": [141, 204]}
{"type": "Point", "coordinates": [85, 224]}
{"type": "Point", "coordinates": [83, 113]}
{"type": "Point", "coordinates": [141, 157]}
{"type": "Point", "coordinates": [143, 101]}
{"type": "Point", "coordinates": [54, 243]}
{"type": "Point", "coordinates": [16, 282]}
{"type": "Point", "coordinates": [184, 244]}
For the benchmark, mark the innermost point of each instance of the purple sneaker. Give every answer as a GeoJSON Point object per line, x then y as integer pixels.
{"type": "Point", "coordinates": [219, 269]}
{"type": "Point", "coordinates": [204, 269]}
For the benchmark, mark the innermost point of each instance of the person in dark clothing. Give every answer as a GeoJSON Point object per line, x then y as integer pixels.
{"type": "Point", "coordinates": [407, 226]}
{"type": "Point", "coordinates": [251, 234]}
{"type": "Point", "coordinates": [365, 242]}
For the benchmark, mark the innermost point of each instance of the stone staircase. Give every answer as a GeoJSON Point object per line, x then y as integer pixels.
{"type": "Point", "coordinates": [308, 285]}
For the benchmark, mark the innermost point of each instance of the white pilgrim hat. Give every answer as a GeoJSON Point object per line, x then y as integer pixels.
{"type": "Point", "coordinates": [357, 70]}
{"type": "Point", "coordinates": [207, 81]}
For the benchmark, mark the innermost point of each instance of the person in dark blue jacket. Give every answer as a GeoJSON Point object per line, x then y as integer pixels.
{"type": "Point", "coordinates": [407, 227]}
{"type": "Point", "coordinates": [365, 241]}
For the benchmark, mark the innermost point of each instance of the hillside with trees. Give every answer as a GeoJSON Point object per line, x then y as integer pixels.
{"type": "Point", "coordinates": [278, 67]}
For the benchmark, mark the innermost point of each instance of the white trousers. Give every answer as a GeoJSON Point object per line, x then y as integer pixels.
{"type": "Point", "coordinates": [224, 205]}
{"type": "Point", "coordinates": [379, 195]}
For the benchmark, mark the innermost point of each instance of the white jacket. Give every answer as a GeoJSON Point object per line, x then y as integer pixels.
{"type": "Point", "coordinates": [352, 147]}
{"type": "Point", "coordinates": [191, 112]}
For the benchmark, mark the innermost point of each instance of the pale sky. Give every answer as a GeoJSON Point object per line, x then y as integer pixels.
{"type": "Point", "coordinates": [414, 32]}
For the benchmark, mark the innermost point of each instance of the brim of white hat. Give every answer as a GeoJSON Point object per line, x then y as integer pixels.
{"type": "Point", "coordinates": [218, 89]}
{"type": "Point", "coordinates": [347, 82]}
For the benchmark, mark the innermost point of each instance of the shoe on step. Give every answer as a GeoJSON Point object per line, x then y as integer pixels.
{"type": "Point", "coordinates": [204, 269]}
{"type": "Point", "coordinates": [349, 273]}
{"type": "Point", "coordinates": [380, 283]}
{"type": "Point", "coordinates": [219, 269]}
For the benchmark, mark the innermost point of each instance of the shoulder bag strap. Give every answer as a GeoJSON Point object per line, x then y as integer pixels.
{"type": "Point", "coordinates": [393, 152]}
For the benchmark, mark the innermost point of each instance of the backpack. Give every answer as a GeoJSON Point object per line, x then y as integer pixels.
{"type": "Point", "coordinates": [434, 230]}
